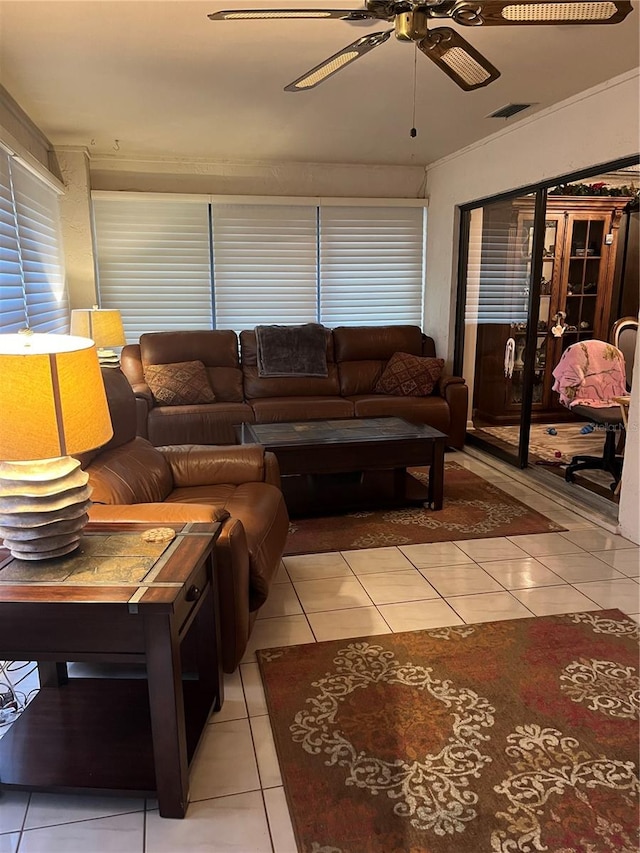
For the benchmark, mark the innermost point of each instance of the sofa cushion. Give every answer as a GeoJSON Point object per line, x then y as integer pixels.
{"type": "Point", "coordinates": [360, 343]}
{"type": "Point", "coordinates": [217, 349]}
{"type": "Point", "coordinates": [362, 353]}
{"type": "Point", "coordinates": [212, 423]}
{"type": "Point", "coordinates": [432, 410]}
{"type": "Point", "coordinates": [409, 375]}
{"type": "Point", "coordinates": [282, 409]}
{"type": "Point", "coordinates": [181, 383]}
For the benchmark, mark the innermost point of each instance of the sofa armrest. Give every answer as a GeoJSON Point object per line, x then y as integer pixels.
{"type": "Point", "coordinates": [207, 465]}
{"type": "Point", "coordinates": [143, 392]}
{"type": "Point", "coordinates": [456, 393]}
{"type": "Point", "coordinates": [142, 418]}
{"type": "Point", "coordinates": [157, 513]}
{"type": "Point", "coordinates": [271, 469]}
{"type": "Point", "coordinates": [445, 381]}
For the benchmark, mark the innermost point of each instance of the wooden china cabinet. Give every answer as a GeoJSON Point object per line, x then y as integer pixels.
{"type": "Point", "coordinates": [578, 264]}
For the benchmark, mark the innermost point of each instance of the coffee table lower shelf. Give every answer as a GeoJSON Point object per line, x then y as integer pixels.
{"type": "Point", "coordinates": [322, 494]}
{"type": "Point", "coordinates": [91, 734]}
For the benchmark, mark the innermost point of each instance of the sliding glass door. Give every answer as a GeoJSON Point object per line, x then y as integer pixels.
{"type": "Point", "coordinates": [504, 349]}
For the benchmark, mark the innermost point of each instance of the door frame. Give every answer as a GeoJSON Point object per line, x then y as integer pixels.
{"type": "Point", "coordinates": [540, 191]}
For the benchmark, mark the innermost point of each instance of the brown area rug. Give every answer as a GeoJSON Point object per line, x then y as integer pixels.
{"type": "Point", "coordinates": [568, 442]}
{"type": "Point", "coordinates": [473, 509]}
{"type": "Point", "coordinates": [503, 737]}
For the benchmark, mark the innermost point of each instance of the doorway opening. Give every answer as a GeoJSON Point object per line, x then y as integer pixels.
{"type": "Point", "coordinates": [541, 270]}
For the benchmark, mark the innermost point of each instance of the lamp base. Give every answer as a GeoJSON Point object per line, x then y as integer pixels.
{"type": "Point", "coordinates": [43, 507]}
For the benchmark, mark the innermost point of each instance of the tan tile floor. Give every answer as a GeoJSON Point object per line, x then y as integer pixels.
{"type": "Point", "coordinates": [238, 802]}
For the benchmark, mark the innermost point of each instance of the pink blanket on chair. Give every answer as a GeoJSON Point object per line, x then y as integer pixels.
{"type": "Point", "coordinates": [590, 373]}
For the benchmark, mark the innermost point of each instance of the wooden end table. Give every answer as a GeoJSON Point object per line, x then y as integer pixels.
{"type": "Point", "coordinates": [116, 599]}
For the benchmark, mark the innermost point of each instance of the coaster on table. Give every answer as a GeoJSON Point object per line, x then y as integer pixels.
{"type": "Point", "coordinates": [159, 534]}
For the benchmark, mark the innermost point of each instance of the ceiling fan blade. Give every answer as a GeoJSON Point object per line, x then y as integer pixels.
{"type": "Point", "coordinates": [456, 57]}
{"type": "Point", "coordinates": [338, 61]}
{"type": "Point", "coordinates": [269, 14]}
{"type": "Point", "coordinates": [500, 13]}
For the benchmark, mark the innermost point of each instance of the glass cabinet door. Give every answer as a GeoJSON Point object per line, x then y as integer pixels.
{"type": "Point", "coordinates": [585, 240]}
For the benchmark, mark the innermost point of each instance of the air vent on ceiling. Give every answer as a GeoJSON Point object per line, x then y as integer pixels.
{"type": "Point", "coordinates": [509, 110]}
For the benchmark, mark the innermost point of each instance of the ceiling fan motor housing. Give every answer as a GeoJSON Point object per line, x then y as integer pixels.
{"type": "Point", "coordinates": [386, 10]}
{"type": "Point", "coordinates": [411, 26]}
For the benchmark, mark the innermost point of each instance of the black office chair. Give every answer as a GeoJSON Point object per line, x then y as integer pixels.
{"type": "Point", "coordinates": [608, 418]}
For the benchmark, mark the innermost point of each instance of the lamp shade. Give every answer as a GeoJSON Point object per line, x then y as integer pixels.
{"type": "Point", "coordinates": [53, 397]}
{"type": "Point", "coordinates": [102, 325]}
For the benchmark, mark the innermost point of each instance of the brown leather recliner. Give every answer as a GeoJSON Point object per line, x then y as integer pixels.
{"type": "Point", "coordinates": [239, 485]}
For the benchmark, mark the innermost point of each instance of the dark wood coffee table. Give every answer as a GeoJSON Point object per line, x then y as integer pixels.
{"type": "Point", "coordinates": [117, 599]}
{"type": "Point", "coordinates": [352, 462]}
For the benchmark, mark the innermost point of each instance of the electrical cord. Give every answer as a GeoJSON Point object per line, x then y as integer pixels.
{"type": "Point", "coordinates": [13, 701]}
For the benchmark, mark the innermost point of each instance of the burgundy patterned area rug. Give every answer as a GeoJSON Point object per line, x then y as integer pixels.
{"type": "Point", "coordinates": [473, 509]}
{"type": "Point", "coordinates": [503, 737]}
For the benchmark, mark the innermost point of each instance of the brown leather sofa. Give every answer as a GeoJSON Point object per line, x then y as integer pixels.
{"type": "Point", "coordinates": [134, 481]}
{"type": "Point", "coordinates": [356, 358]}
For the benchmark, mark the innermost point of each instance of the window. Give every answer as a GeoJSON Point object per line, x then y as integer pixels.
{"type": "Point", "coordinates": [32, 283]}
{"type": "Point", "coordinates": [371, 261]}
{"type": "Point", "coordinates": [153, 262]}
{"type": "Point", "coordinates": [265, 267]}
{"type": "Point", "coordinates": [177, 262]}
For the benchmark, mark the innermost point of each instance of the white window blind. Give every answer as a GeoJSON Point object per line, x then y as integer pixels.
{"type": "Point", "coordinates": [371, 265]}
{"type": "Point", "coordinates": [196, 263]}
{"type": "Point", "coordinates": [264, 264]}
{"type": "Point", "coordinates": [32, 278]}
{"type": "Point", "coordinates": [153, 261]}
{"type": "Point", "coordinates": [40, 238]}
{"type": "Point", "coordinates": [13, 312]}
{"type": "Point", "coordinates": [498, 268]}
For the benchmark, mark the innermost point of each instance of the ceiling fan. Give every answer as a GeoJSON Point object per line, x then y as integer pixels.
{"type": "Point", "coordinates": [450, 51]}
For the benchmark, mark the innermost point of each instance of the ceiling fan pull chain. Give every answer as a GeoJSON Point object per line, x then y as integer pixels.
{"type": "Point", "coordinates": [413, 132]}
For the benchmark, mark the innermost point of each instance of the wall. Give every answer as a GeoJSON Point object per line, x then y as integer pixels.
{"type": "Point", "coordinates": [75, 215]}
{"type": "Point", "coordinates": [595, 127]}
{"type": "Point", "coordinates": [17, 127]}
{"type": "Point", "coordinates": [255, 178]}
{"type": "Point", "coordinates": [629, 513]}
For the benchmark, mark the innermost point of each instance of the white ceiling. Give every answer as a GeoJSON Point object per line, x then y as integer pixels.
{"type": "Point", "coordinates": [164, 81]}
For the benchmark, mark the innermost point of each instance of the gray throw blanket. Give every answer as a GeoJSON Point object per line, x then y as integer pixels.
{"type": "Point", "coordinates": [292, 350]}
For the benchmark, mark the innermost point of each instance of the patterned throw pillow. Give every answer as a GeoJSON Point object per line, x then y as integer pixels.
{"type": "Point", "coordinates": [182, 383]}
{"type": "Point", "coordinates": [409, 375]}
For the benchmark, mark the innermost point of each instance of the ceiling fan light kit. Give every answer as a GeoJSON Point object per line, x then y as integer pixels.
{"type": "Point", "coordinates": [445, 47]}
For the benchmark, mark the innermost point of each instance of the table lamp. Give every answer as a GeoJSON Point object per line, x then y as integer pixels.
{"type": "Point", "coordinates": [104, 327]}
{"type": "Point", "coordinates": [53, 404]}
